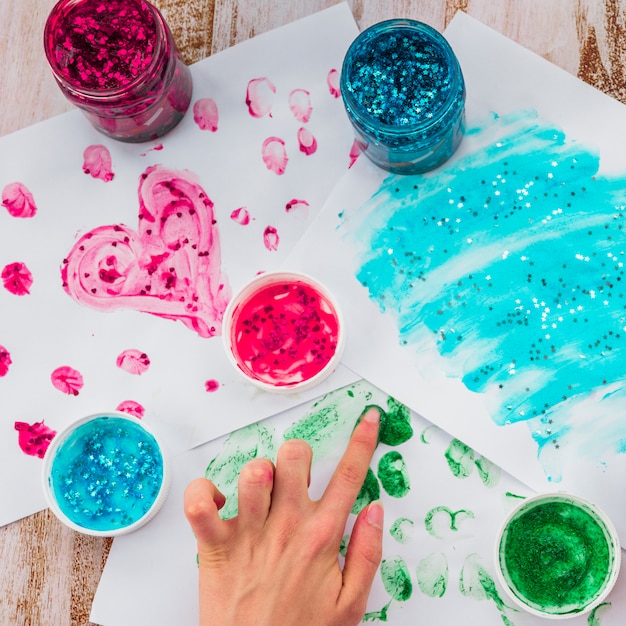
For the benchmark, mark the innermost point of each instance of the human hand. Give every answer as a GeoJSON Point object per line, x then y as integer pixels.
{"type": "Point", "coordinates": [276, 563]}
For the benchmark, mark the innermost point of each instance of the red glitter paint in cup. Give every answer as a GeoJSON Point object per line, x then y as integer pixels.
{"type": "Point", "coordinates": [117, 61]}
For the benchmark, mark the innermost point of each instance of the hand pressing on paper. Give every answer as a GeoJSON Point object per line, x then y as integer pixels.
{"type": "Point", "coordinates": [276, 563]}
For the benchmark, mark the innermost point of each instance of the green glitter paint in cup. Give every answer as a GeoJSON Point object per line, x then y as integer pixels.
{"type": "Point", "coordinates": [557, 555]}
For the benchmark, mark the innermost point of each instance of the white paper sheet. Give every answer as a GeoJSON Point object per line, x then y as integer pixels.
{"type": "Point", "coordinates": [189, 392]}
{"type": "Point", "coordinates": [443, 529]}
{"type": "Point", "coordinates": [552, 252]}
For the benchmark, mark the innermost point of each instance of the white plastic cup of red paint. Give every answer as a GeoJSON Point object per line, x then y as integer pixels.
{"type": "Point", "coordinates": [106, 474]}
{"type": "Point", "coordinates": [284, 332]}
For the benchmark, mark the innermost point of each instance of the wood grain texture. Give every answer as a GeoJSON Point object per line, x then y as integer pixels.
{"type": "Point", "coordinates": [48, 574]}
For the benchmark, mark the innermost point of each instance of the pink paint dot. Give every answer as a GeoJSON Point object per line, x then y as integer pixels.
{"type": "Point", "coordinates": [211, 385]}
{"type": "Point", "coordinates": [34, 439]}
{"type": "Point", "coordinates": [205, 114]}
{"type": "Point", "coordinates": [271, 238]}
{"type": "Point", "coordinates": [300, 105]}
{"type": "Point", "coordinates": [67, 380]}
{"type": "Point", "coordinates": [274, 155]}
{"type": "Point", "coordinates": [355, 151]}
{"type": "Point", "coordinates": [307, 142]}
{"type": "Point", "coordinates": [98, 163]}
{"type": "Point", "coordinates": [241, 216]}
{"type": "Point", "coordinates": [17, 279]}
{"type": "Point", "coordinates": [18, 200]}
{"type": "Point", "coordinates": [133, 361]}
{"type": "Point", "coordinates": [332, 80]}
{"type": "Point", "coordinates": [260, 96]}
{"type": "Point", "coordinates": [132, 408]}
{"type": "Point", "coordinates": [5, 361]}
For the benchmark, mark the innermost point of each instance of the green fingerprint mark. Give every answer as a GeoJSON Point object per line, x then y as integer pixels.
{"type": "Point", "coordinates": [435, 513]}
{"type": "Point", "coordinates": [394, 475]}
{"type": "Point", "coordinates": [370, 491]}
{"type": "Point", "coordinates": [396, 578]}
{"type": "Point", "coordinates": [597, 613]}
{"type": "Point", "coordinates": [377, 616]}
{"type": "Point", "coordinates": [476, 582]}
{"type": "Point", "coordinates": [489, 472]}
{"type": "Point", "coordinates": [395, 425]}
{"type": "Point", "coordinates": [432, 575]}
{"type": "Point", "coordinates": [460, 459]}
{"type": "Point", "coordinates": [402, 530]}
{"type": "Point", "coordinates": [423, 438]}
{"type": "Point", "coordinates": [241, 446]}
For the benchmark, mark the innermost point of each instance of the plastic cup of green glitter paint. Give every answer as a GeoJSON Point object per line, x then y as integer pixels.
{"type": "Point", "coordinates": [557, 556]}
{"type": "Point", "coordinates": [284, 332]}
{"type": "Point", "coordinates": [404, 94]}
{"type": "Point", "coordinates": [106, 474]}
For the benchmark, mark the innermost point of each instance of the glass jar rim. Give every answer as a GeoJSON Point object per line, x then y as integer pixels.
{"type": "Point", "coordinates": [380, 28]}
{"type": "Point", "coordinates": [161, 35]}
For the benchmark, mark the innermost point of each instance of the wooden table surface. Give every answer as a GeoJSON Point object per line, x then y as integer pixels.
{"type": "Point", "coordinates": [48, 574]}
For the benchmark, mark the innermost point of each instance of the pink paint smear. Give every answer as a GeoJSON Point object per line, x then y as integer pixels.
{"type": "Point", "coordinates": [132, 408]}
{"type": "Point", "coordinates": [241, 216]}
{"type": "Point", "coordinates": [34, 439]}
{"type": "Point", "coordinates": [332, 80]}
{"type": "Point", "coordinates": [274, 155]}
{"type": "Point", "coordinates": [307, 142]}
{"type": "Point", "coordinates": [67, 380]}
{"type": "Point", "coordinates": [300, 105]}
{"type": "Point", "coordinates": [170, 267]}
{"type": "Point", "coordinates": [5, 361]}
{"type": "Point", "coordinates": [205, 114]}
{"type": "Point", "coordinates": [18, 200]}
{"type": "Point", "coordinates": [271, 238]}
{"type": "Point", "coordinates": [98, 163]}
{"type": "Point", "coordinates": [296, 205]}
{"type": "Point", "coordinates": [17, 279]}
{"type": "Point", "coordinates": [260, 97]}
{"type": "Point", "coordinates": [133, 361]}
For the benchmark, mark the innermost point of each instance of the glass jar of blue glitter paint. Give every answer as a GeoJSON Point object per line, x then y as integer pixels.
{"type": "Point", "coordinates": [404, 94]}
{"type": "Point", "coordinates": [106, 475]}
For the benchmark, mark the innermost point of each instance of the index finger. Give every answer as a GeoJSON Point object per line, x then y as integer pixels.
{"type": "Point", "coordinates": [348, 478]}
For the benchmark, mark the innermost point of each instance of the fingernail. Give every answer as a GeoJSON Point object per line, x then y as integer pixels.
{"type": "Point", "coordinates": [372, 415]}
{"type": "Point", "coordinates": [375, 514]}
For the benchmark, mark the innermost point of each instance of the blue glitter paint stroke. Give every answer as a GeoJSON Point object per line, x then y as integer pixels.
{"type": "Point", "coordinates": [510, 260]}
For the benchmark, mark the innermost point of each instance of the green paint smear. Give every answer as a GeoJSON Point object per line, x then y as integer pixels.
{"type": "Point", "coordinates": [476, 582]}
{"type": "Point", "coordinates": [343, 546]}
{"type": "Point", "coordinates": [489, 472]}
{"type": "Point", "coordinates": [460, 459]}
{"type": "Point", "coordinates": [556, 557]}
{"type": "Point", "coordinates": [394, 475]}
{"type": "Point", "coordinates": [597, 613]}
{"type": "Point", "coordinates": [395, 426]}
{"type": "Point", "coordinates": [370, 491]}
{"type": "Point", "coordinates": [396, 578]}
{"type": "Point", "coordinates": [429, 520]}
{"type": "Point", "coordinates": [241, 446]}
{"type": "Point", "coordinates": [432, 575]}
{"type": "Point", "coordinates": [377, 616]}
{"type": "Point", "coordinates": [402, 530]}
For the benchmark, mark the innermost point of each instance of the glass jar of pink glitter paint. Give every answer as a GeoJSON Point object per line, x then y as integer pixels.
{"type": "Point", "coordinates": [116, 60]}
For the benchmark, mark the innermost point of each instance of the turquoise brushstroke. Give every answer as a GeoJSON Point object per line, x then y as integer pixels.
{"type": "Point", "coordinates": [510, 261]}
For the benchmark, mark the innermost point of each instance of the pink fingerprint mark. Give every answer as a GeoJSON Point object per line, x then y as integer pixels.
{"type": "Point", "coordinates": [5, 361]}
{"type": "Point", "coordinates": [211, 385]}
{"type": "Point", "coordinates": [332, 80]}
{"type": "Point", "coordinates": [300, 105]}
{"type": "Point", "coordinates": [18, 200]}
{"type": "Point", "coordinates": [98, 163]}
{"type": "Point", "coordinates": [67, 380]}
{"type": "Point", "coordinates": [17, 279]}
{"type": "Point", "coordinates": [274, 155]}
{"type": "Point", "coordinates": [170, 267]}
{"type": "Point", "coordinates": [133, 361]}
{"type": "Point", "coordinates": [296, 205]}
{"type": "Point", "coordinates": [205, 114]}
{"type": "Point", "coordinates": [307, 142]}
{"type": "Point", "coordinates": [271, 238]}
{"type": "Point", "coordinates": [34, 439]}
{"type": "Point", "coordinates": [355, 151]}
{"type": "Point", "coordinates": [260, 97]}
{"type": "Point", "coordinates": [132, 408]}
{"type": "Point", "coordinates": [241, 216]}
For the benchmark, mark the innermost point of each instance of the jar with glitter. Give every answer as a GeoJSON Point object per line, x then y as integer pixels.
{"type": "Point", "coordinates": [117, 61]}
{"type": "Point", "coordinates": [404, 94]}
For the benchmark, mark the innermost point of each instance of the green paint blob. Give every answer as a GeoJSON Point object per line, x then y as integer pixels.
{"type": "Point", "coordinates": [432, 575]}
{"type": "Point", "coordinates": [241, 446]}
{"type": "Point", "coordinates": [343, 546]}
{"type": "Point", "coordinates": [402, 530]}
{"type": "Point", "coordinates": [395, 425]}
{"type": "Point", "coordinates": [394, 475]}
{"type": "Point", "coordinates": [556, 555]}
{"type": "Point", "coordinates": [396, 578]}
{"type": "Point", "coordinates": [443, 511]}
{"type": "Point", "coordinates": [460, 459]}
{"type": "Point", "coordinates": [370, 491]}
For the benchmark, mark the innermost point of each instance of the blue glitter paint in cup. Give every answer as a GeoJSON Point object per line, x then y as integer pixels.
{"type": "Point", "coordinates": [404, 94]}
{"type": "Point", "coordinates": [105, 475]}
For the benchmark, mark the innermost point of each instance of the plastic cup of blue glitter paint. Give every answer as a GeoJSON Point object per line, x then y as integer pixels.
{"type": "Point", "coordinates": [106, 474]}
{"type": "Point", "coordinates": [557, 556]}
{"type": "Point", "coordinates": [404, 94]}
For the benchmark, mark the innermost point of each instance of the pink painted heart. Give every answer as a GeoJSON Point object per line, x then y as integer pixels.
{"type": "Point", "coordinates": [169, 267]}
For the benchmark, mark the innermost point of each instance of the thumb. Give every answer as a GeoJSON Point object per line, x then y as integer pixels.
{"type": "Point", "coordinates": [363, 555]}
